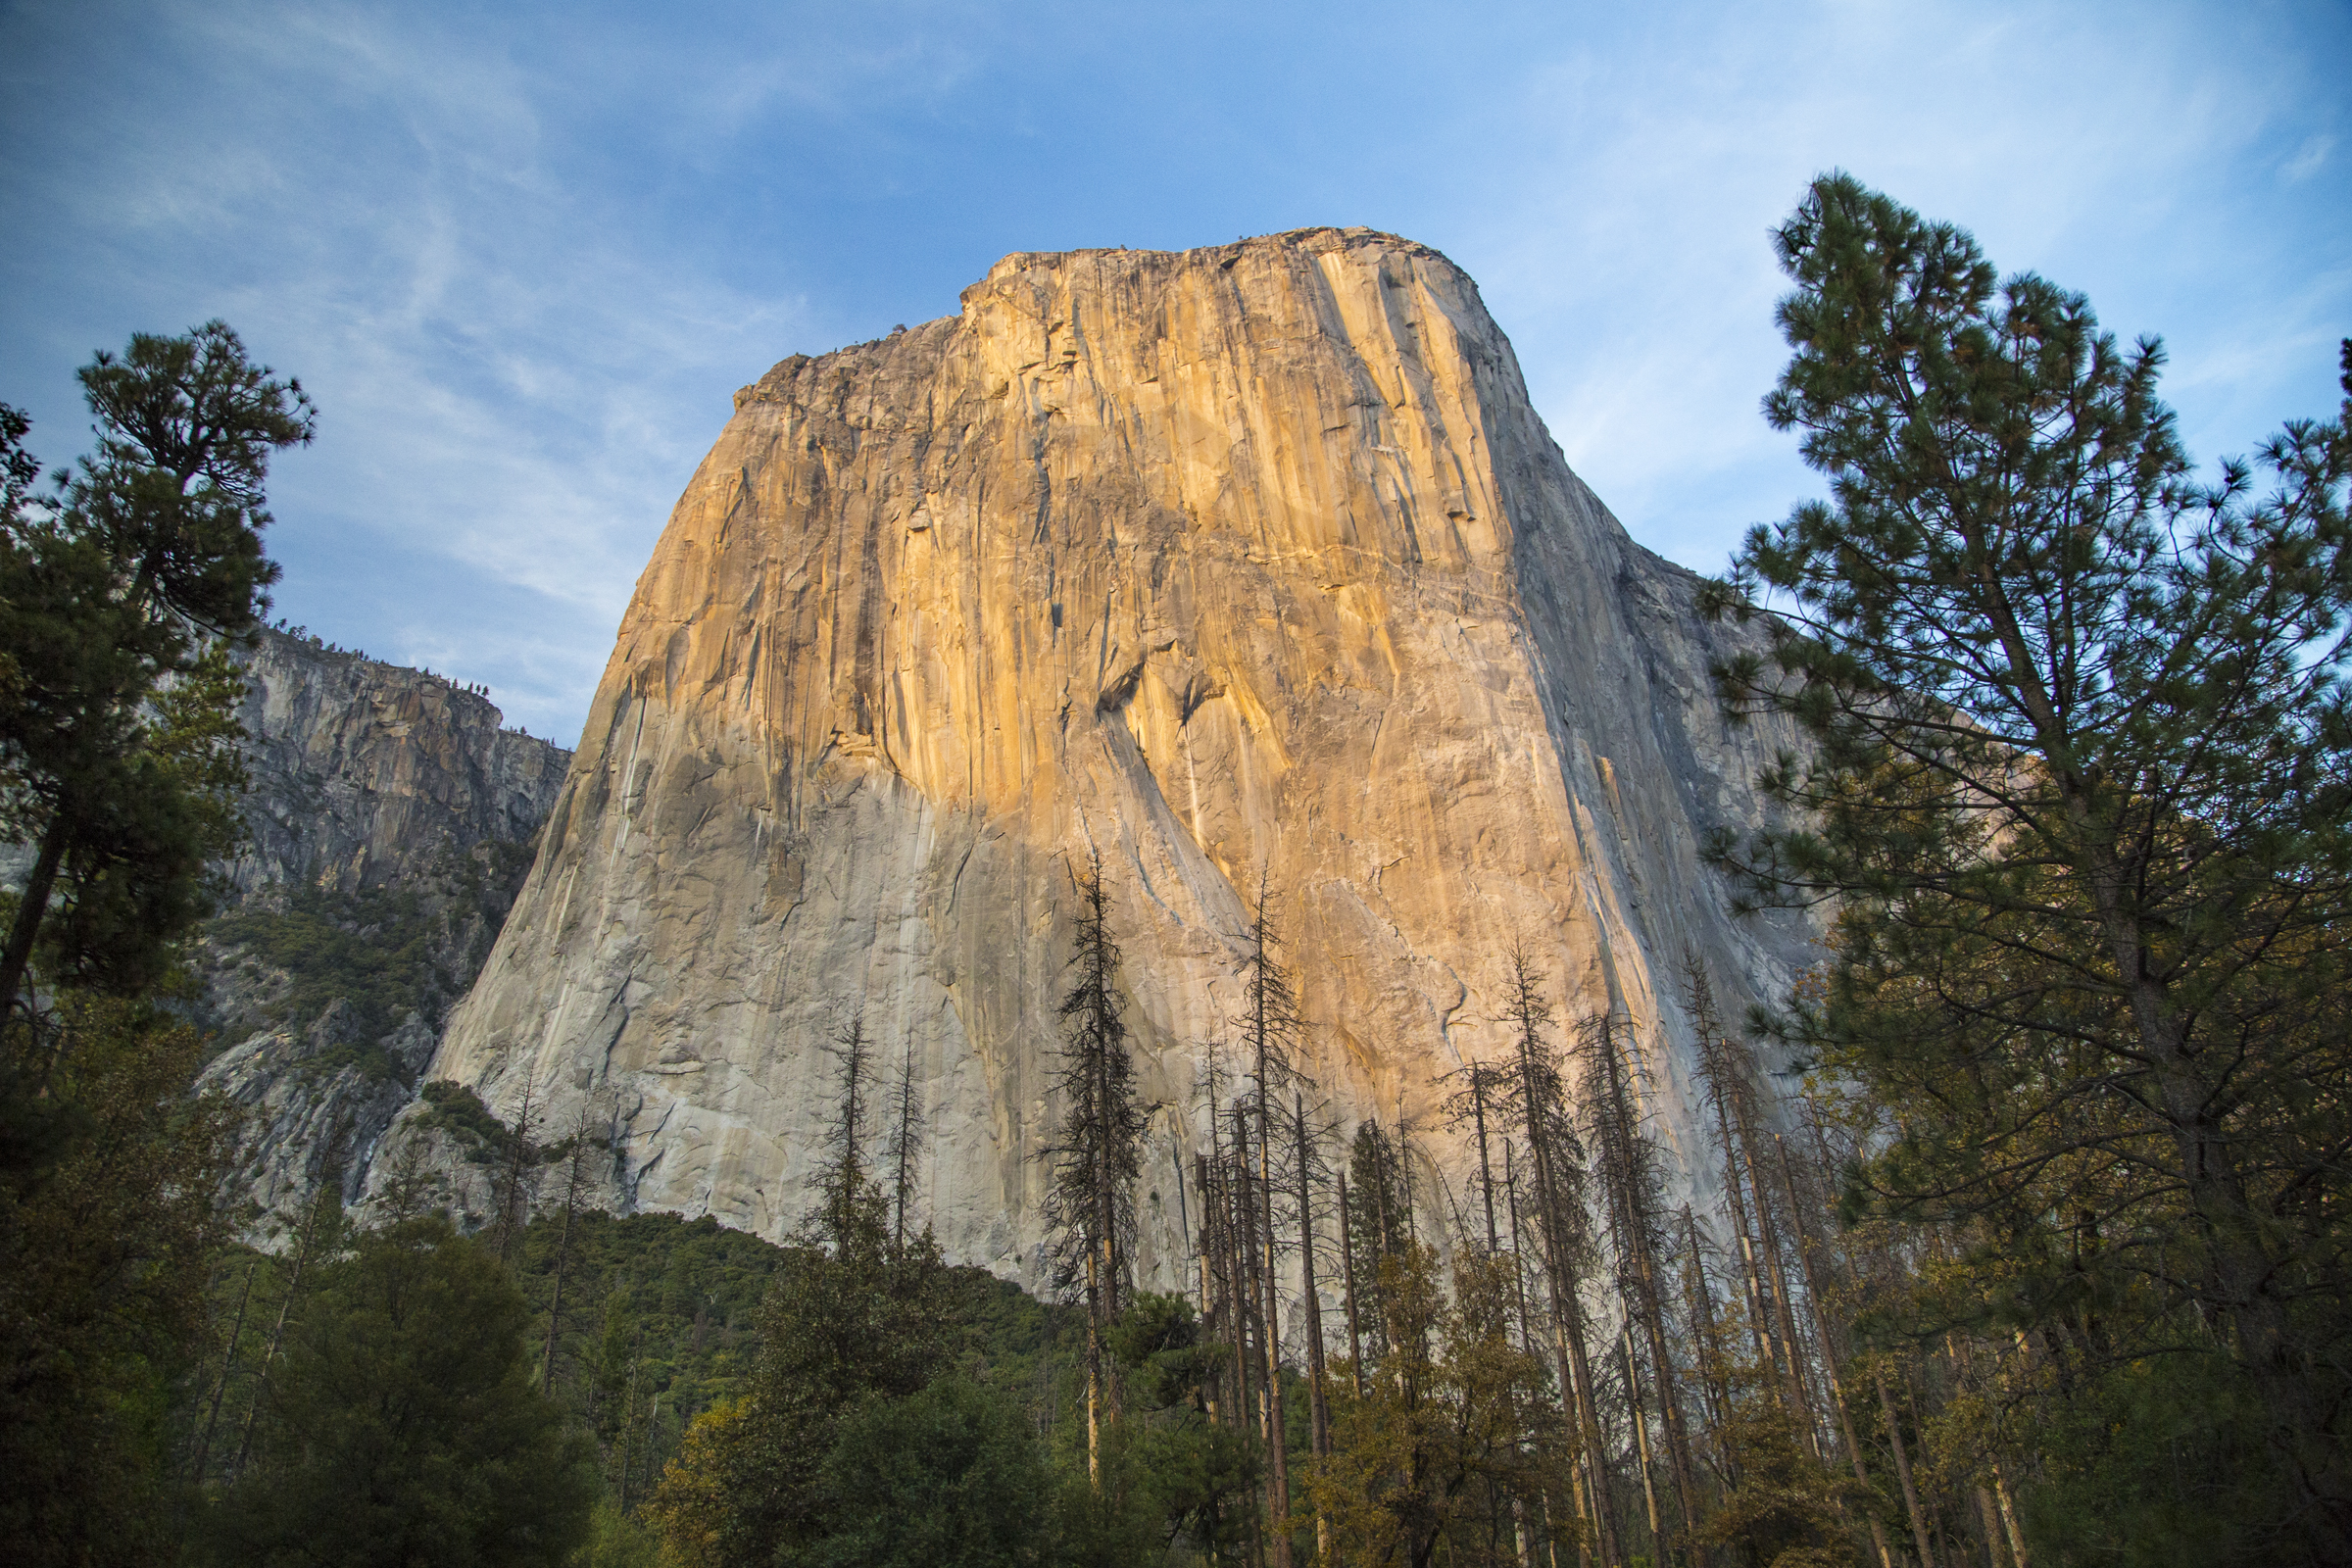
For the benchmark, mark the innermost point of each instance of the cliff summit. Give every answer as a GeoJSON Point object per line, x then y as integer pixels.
{"type": "Point", "coordinates": [1249, 561]}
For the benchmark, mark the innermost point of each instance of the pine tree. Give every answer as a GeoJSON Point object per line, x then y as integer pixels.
{"type": "Point", "coordinates": [105, 1251]}
{"type": "Point", "coordinates": [904, 1145]}
{"type": "Point", "coordinates": [1097, 1156]}
{"type": "Point", "coordinates": [1428, 1462]}
{"type": "Point", "coordinates": [2080, 771]}
{"type": "Point", "coordinates": [856, 1317]}
{"type": "Point", "coordinates": [843, 1183]}
{"type": "Point", "coordinates": [111, 595]}
{"type": "Point", "coordinates": [404, 1426]}
{"type": "Point", "coordinates": [1307, 1171]}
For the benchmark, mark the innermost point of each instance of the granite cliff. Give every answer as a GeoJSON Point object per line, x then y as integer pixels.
{"type": "Point", "coordinates": [388, 829]}
{"type": "Point", "coordinates": [1253, 560]}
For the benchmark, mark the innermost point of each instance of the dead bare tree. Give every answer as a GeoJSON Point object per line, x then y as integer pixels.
{"type": "Point", "coordinates": [1632, 1177]}
{"type": "Point", "coordinates": [1269, 1030]}
{"type": "Point", "coordinates": [1563, 1231]}
{"type": "Point", "coordinates": [1089, 1207]}
{"type": "Point", "coordinates": [904, 1145]}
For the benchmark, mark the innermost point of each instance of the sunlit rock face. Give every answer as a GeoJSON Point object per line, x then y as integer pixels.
{"type": "Point", "coordinates": [1224, 563]}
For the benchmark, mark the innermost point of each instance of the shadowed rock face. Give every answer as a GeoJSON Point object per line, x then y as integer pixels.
{"type": "Point", "coordinates": [386, 832]}
{"type": "Point", "coordinates": [366, 773]}
{"type": "Point", "coordinates": [1221, 562]}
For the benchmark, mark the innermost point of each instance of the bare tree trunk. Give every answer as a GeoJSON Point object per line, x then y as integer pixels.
{"type": "Point", "coordinates": [652, 1436]}
{"type": "Point", "coordinates": [1829, 1355]}
{"type": "Point", "coordinates": [628, 1432]}
{"type": "Point", "coordinates": [1485, 1168]}
{"type": "Point", "coordinates": [1902, 1469]}
{"type": "Point", "coordinates": [572, 1196]}
{"type": "Point", "coordinates": [1715, 1392]}
{"type": "Point", "coordinates": [904, 1149]}
{"type": "Point", "coordinates": [1277, 1444]}
{"type": "Point", "coordinates": [2000, 1493]}
{"type": "Point", "coordinates": [1356, 1337]}
{"type": "Point", "coordinates": [510, 1186]}
{"type": "Point", "coordinates": [1624, 1148]}
{"type": "Point", "coordinates": [1632, 1405]}
{"type": "Point", "coordinates": [1991, 1522]}
{"type": "Point", "coordinates": [1793, 1361]}
{"type": "Point", "coordinates": [33, 906]}
{"type": "Point", "coordinates": [1093, 1376]}
{"type": "Point", "coordinates": [277, 1335]}
{"type": "Point", "coordinates": [1318, 1402]}
{"type": "Point", "coordinates": [228, 1362]}
{"type": "Point", "coordinates": [1210, 1391]}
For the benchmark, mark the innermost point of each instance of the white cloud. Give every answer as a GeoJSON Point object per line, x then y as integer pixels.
{"type": "Point", "coordinates": [522, 256]}
{"type": "Point", "coordinates": [2309, 160]}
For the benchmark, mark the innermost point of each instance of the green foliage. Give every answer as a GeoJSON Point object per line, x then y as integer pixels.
{"type": "Point", "coordinates": [2183, 1437]}
{"type": "Point", "coordinates": [1785, 1508]}
{"type": "Point", "coordinates": [858, 1318]}
{"type": "Point", "coordinates": [1115, 1512]}
{"type": "Point", "coordinates": [951, 1473]}
{"type": "Point", "coordinates": [373, 948]}
{"type": "Point", "coordinates": [404, 1426]}
{"type": "Point", "coordinates": [106, 1226]}
{"type": "Point", "coordinates": [2080, 778]}
{"type": "Point", "coordinates": [456, 1109]}
{"type": "Point", "coordinates": [1188, 1478]}
{"type": "Point", "coordinates": [689, 1290]}
{"type": "Point", "coordinates": [1454, 1420]}
{"type": "Point", "coordinates": [382, 951]}
{"type": "Point", "coordinates": [1089, 1205]}
{"type": "Point", "coordinates": [1158, 1340]}
{"type": "Point", "coordinates": [617, 1539]}
{"type": "Point", "coordinates": [116, 724]}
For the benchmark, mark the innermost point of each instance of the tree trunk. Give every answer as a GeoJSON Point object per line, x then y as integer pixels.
{"type": "Point", "coordinates": [1902, 1469]}
{"type": "Point", "coordinates": [1094, 1377]}
{"type": "Point", "coordinates": [1486, 1170]}
{"type": "Point", "coordinates": [554, 1305]}
{"type": "Point", "coordinates": [1355, 1337]}
{"type": "Point", "coordinates": [1828, 1356]}
{"type": "Point", "coordinates": [1632, 1405]}
{"type": "Point", "coordinates": [1800, 1404]}
{"type": "Point", "coordinates": [32, 906]}
{"type": "Point", "coordinates": [2001, 1494]}
{"type": "Point", "coordinates": [277, 1335]}
{"type": "Point", "coordinates": [1734, 1157]}
{"type": "Point", "coordinates": [228, 1362]}
{"type": "Point", "coordinates": [1278, 1477]}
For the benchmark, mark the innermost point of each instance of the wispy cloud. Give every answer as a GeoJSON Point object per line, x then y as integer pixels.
{"type": "Point", "coordinates": [523, 255]}
{"type": "Point", "coordinates": [2309, 160]}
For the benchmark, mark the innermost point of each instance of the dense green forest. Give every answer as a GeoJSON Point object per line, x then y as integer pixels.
{"type": "Point", "coordinates": [2030, 1246]}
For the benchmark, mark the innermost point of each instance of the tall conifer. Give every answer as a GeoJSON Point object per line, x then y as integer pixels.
{"type": "Point", "coordinates": [1099, 1150]}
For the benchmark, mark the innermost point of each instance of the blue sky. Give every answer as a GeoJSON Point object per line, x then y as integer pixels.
{"type": "Point", "coordinates": [523, 255]}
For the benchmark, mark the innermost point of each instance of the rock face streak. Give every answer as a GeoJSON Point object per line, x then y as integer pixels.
{"type": "Point", "coordinates": [1221, 562]}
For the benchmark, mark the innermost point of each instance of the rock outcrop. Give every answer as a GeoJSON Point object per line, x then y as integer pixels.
{"type": "Point", "coordinates": [387, 832]}
{"type": "Point", "coordinates": [366, 774]}
{"type": "Point", "coordinates": [1233, 563]}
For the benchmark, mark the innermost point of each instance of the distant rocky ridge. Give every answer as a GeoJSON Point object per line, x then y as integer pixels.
{"type": "Point", "coordinates": [367, 774]}
{"type": "Point", "coordinates": [389, 827]}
